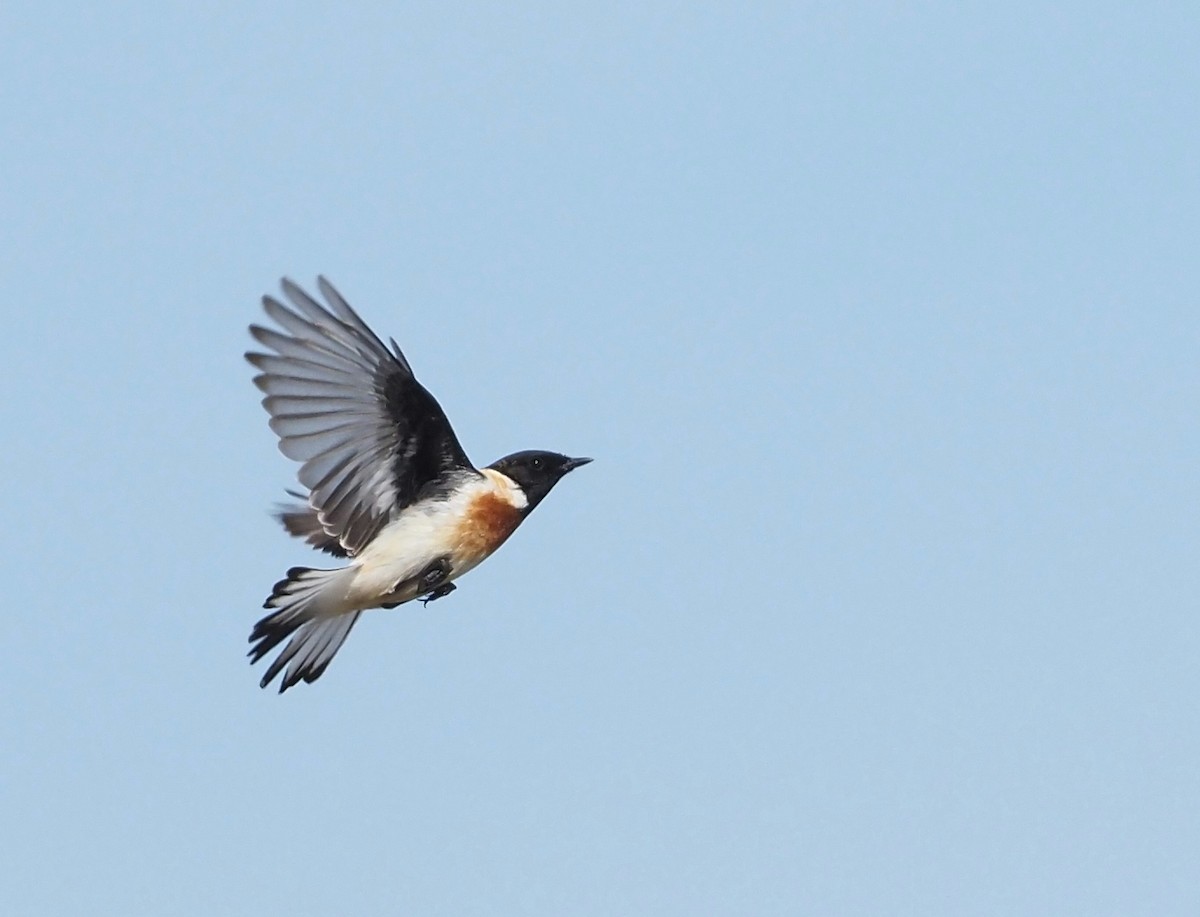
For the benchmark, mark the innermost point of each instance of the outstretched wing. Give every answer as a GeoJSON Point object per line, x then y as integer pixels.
{"type": "Point", "coordinates": [369, 436]}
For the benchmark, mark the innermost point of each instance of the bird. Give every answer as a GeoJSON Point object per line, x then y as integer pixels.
{"type": "Point", "coordinates": [387, 486]}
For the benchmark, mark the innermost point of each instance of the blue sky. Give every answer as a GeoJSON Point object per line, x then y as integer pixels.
{"type": "Point", "coordinates": [881, 322]}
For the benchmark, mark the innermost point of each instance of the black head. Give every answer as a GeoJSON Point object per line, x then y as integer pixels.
{"type": "Point", "coordinates": [537, 472]}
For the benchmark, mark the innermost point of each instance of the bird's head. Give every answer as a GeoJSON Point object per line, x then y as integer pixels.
{"type": "Point", "coordinates": [536, 472]}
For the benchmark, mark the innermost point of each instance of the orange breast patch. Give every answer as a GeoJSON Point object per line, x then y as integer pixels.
{"type": "Point", "coordinates": [486, 524]}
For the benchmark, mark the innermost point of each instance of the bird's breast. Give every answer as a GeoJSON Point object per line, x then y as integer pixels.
{"type": "Point", "coordinates": [463, 529]}
{"type": "Point", "coordinates": [489, 519]}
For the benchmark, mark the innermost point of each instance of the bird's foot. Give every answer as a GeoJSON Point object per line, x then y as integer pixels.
{"type": "Point", "coordinates": [440, 592]}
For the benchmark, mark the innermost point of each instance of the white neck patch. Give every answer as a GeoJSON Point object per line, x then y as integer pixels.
{"type": "Point", "coordinates": [506, 488]}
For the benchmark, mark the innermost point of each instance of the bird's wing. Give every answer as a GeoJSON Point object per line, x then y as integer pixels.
{"type": "Point", "coordinates": [369, 435]}
{"type": "Point", "coordinates": [302, 521]}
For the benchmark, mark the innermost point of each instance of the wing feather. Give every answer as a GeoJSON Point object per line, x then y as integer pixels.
{"type": "Point", "coordinates": [369, 437]}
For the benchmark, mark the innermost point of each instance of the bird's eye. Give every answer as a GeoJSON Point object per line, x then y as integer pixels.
{"type": "Point", "coordinates": [536, 463]}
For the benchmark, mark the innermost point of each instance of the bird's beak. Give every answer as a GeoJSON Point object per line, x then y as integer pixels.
{"type": "Point", "coordinates": [572, 464]}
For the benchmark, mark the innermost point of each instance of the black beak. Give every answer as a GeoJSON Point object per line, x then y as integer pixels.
{"type": "Point", "coordinates": [572, 463]}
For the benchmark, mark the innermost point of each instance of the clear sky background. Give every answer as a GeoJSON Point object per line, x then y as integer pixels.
{"type": "Point", "coordinates": [882, 324]}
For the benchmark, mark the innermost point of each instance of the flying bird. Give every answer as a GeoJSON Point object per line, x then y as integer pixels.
{"type": "Point", "coordinates": [389, 487]}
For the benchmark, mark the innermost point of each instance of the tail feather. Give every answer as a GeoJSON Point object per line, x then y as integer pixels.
{"type": "Point", "coordinates": [310, 612]}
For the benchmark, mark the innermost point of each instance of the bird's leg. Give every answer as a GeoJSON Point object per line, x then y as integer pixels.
{"type": "Point", "coordinates": [431, 584]}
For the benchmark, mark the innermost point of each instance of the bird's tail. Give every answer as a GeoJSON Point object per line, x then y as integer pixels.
{"type": "Point", "coordinates": [310, 608]}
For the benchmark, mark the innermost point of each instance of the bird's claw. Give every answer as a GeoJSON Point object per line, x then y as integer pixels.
{"type": "Point", "coordinates": [440, 592]}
